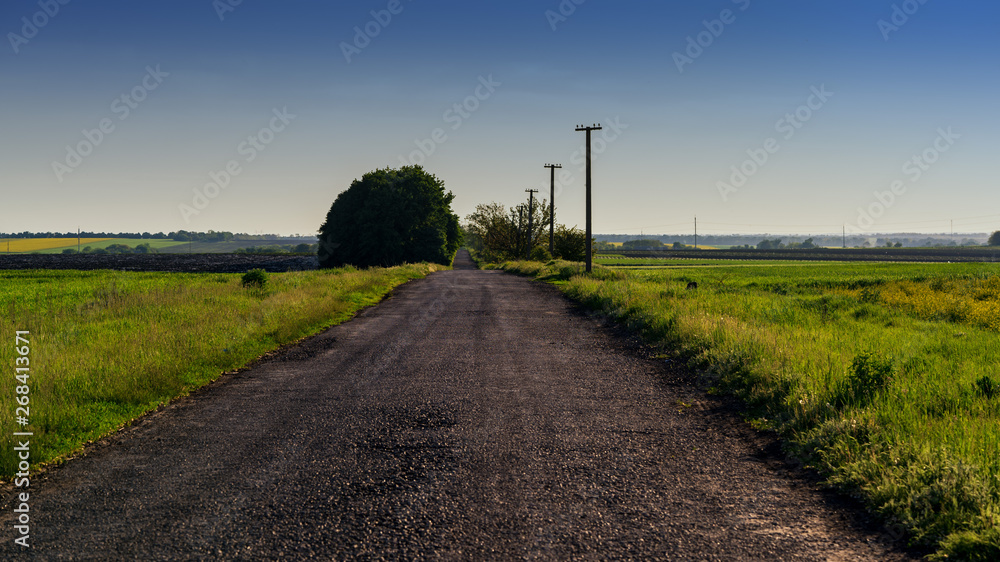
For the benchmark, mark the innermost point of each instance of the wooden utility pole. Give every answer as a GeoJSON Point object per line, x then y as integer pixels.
{"type": "Point", "coordinates": [552, 206]}
{"type": "Point", "coordinates": [520, 220]}
{"type": "Point", "coordinates": [531, 212]}
{"type": "Point", "coordinates": [590, 249]}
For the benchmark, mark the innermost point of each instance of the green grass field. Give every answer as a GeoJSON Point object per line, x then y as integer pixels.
{"type": "Point", "coordinates": [228, 247]}
{"type": "Point", "coordinates": [660, 263]}
{"type": "Point", "coordinates": [106, 347]}
{"type": "Point", "coordinates": [883, 376]}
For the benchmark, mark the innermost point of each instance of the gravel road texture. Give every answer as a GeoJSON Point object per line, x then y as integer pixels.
{"type": "Point", "coordinates": [472, 415]}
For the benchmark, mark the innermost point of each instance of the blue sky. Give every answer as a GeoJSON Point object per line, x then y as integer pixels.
{"type": "Point", "coordinates": [756, 116]}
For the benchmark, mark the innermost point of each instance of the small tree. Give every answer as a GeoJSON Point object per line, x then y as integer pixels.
{"type": "Point", "coordinates": [254, 279]}
{"type": "Point", "coordinates": [499, 233]}
{"type": "Point", "coordinates": [994, 239]}
{"type": "Point", "coordinates": [118, 249]}
{"type": "Point", "coordinates": [570, 244]}
{"type": "Point", "coordinates": [540, 253]}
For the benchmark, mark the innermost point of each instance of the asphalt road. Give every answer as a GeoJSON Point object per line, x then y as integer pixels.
{"type": "Point", "coordinates": [473, 415]}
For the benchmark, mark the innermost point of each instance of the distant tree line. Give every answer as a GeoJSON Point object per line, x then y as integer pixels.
{"type": "Point", "coordinates": [114, 249]}
{"type": "Point", "coordinates": [807, 244]}
{"type": "Point", "coordinates": [279, 249]}
{"type": "Point", "coordinates": [210, 236]}
{"type": "Point", "coordinates": [147, 249]}
{"type": "Point", "coordinates": [906, 240]}
{"type": "Point", "coordinates": [86, 234]}
{"type": "Point", "coordinates": [642, 244]}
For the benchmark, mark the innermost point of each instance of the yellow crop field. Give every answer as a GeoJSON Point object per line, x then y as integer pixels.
{"type": "Point", "coordinates": [973, 301]}
{"type": "Point", "coordinates": [14, 245]}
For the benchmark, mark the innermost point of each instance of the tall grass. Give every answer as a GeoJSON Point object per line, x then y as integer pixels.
{"type": "Point", "coordinates": [108, 346]}
{"type": "Point", "coordinates": [892, 394]}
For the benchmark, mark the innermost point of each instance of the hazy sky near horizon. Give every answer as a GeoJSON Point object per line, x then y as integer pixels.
{"type": "Point", "coordinates": [757, 116]}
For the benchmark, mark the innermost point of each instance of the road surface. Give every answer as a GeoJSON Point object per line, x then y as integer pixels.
{"type": "Point", "coordinates": [472, 415]}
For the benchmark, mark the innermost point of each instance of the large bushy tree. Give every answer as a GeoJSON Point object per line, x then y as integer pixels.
{"type": "Point", "coordinates": [994, 239]}
{"type": "Point", "coordinates": [389, 217]}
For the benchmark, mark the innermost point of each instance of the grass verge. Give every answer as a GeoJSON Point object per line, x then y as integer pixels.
{"type": "Point", "coordinates": [884, 377]}
{"type": "Point", "coordinates": [107, 347]}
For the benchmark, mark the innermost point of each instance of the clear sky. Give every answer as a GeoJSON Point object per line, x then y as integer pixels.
{"type": "Point", "coordinates": [778, 116]}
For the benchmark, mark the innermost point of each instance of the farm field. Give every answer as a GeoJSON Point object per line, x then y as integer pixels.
{"type": "Point", "coordinates": [57, 245]}
{"type": "Point", "coordinates": [165, 262]}
{"type": "Point", "coordinates": [131, 242]}
{"type": "Point", "coordinates": [108, 346]}
{"type": "Point", "coordinates": [226, 247]}
{"type": "Point", "coordinates": [47, 245]}
{"type": "Point", "coordinates": [945, 254]}
{"type": "Point", "coordinates": [660, 263]}
{"type": "Point", "coordinates": [883, 376]}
